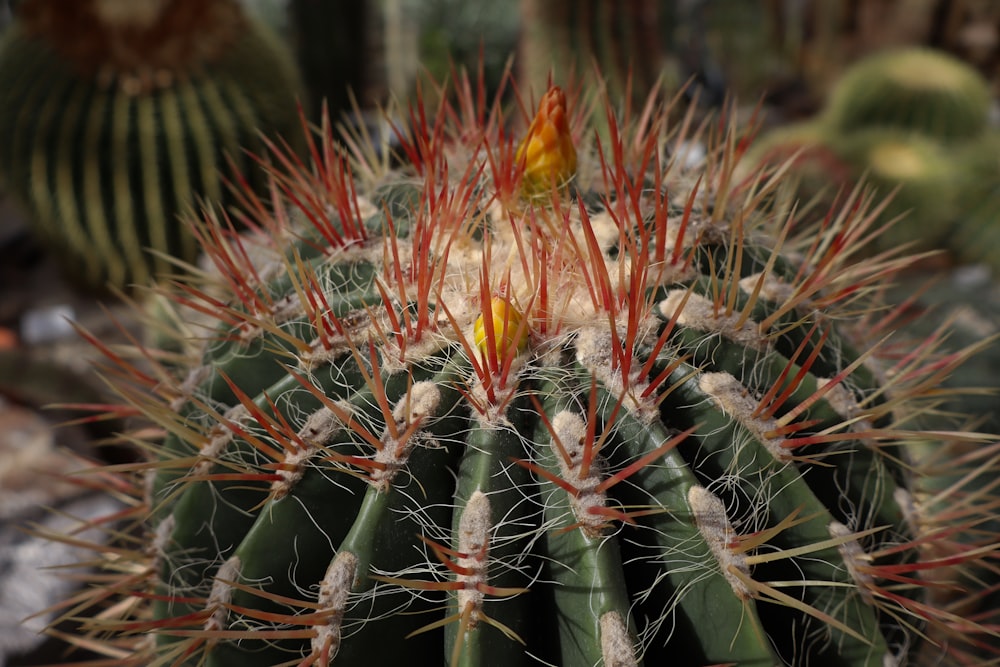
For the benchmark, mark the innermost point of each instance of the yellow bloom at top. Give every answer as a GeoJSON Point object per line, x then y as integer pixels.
{"type": "Point", "coordinates": [548, 152]}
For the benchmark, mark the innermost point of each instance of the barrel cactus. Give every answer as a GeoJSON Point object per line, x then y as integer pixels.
{"type": "Point", "coordinates": [817, 170]}
{"type": "Point", "coordinates": [922, 90]}
{"type": "Point", "coordinates": [116, 116]}
{"type": "Point", "coordinates": [571, 401]}
{"type": "Point", "coordinates": [919, 173]}
{"type": "Point", "coordinates": [912, 124]}
{"type": "Point", "coordinates": [976, 236]}
{"type": "Point", "coordinates": [918, 181]}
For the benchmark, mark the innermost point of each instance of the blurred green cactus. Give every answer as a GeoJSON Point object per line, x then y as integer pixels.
{"type": "Point", "coordinates": [918, 173]}
{"type": "Point", "coordinates": [921, 90]}
{"type": "Point", "coordinates": [816, 170]}
{"type": "Point", "coordinates": [976, 238]}
{"type": "Point", "coordinates": [117, 117]}
{"type": "Point", "coordinates": [911, 124]}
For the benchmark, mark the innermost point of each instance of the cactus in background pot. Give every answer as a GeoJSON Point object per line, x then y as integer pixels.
{"type": "Point", "coordinates": [117, 116]}
{"type": "Point", "coordinates": [619, 413]}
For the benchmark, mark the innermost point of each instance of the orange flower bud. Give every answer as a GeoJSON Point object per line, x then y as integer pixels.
{"type": "Point", "coordinates": [548, 152]}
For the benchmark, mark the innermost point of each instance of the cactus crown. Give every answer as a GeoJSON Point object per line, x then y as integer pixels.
{"type": "Point", "coordinates": [483, 411]}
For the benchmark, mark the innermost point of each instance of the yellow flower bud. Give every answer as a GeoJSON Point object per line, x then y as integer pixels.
{"type": "Point", "coordinates": [505, 316]}
{"type": "Point", "coordinates": [548, 152]}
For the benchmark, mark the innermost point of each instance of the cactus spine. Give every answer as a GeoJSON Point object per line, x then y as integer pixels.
{"type": "Point", "coordinates": [451, 417]}
{"type": "Point", "coordinates": [117, 117]}
{"type": "Point", "coordinates": [977, 234]}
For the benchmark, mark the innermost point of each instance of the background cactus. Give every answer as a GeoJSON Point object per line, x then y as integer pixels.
{"type": "Point", "coordinates": [911, 123]}
{"type": "Point", "coordinates": [922, 90]}
{"type": "Point", "coordinates": [976, 237]}
{"type": "Point", "coordinates": [920, 175]}
{"type": "Point", "coordinates": [118, 116]}
{"type": "Point", "coordinates": [967, 303]}
{"type": "Point", "coordinates": [445, 416]}
{"type": "Point", "coordinates": [817, 170]}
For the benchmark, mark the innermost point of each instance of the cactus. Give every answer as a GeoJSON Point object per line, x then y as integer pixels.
{"type": "Point", "coordinates": [117, 116]}
{"type": "Point", "coordinates": [471, 33]}
{"type": "Point", "coordinates": [917, 179]}
{"type": "Point", "coordinates": [900, 121]}
{"type": "Point", "coordinates": [976, 238]}
{"type": "Point", "coordinates": [618, 413]}
{"type": "Point", "coordinates": [921, 90]}
{"type": "Point", "coordinates": [921, 176]}
{"type": "Point", "coordinates": [967, 303]}
{"type": "Point", "coordinates": [817, 170]}
{"type": "Point", "coordinates": [625, 40]}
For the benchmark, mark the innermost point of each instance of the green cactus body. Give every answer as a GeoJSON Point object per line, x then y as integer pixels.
{"type": "Point", "coordinates": [920, 90]}
{"type": "Point", "coordinates": [444, 423]}
{"type": "Point", "coordinates": [105, 156]}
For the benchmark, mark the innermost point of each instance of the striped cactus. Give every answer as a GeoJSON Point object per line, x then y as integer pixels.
{"type": "Point", "coordinates": [561, 403]}
{"type": "Point", "coordinates": [116, 117]}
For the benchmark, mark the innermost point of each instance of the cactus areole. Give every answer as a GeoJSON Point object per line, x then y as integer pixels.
{"type": "Point", "coordinates": [623, 413]}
